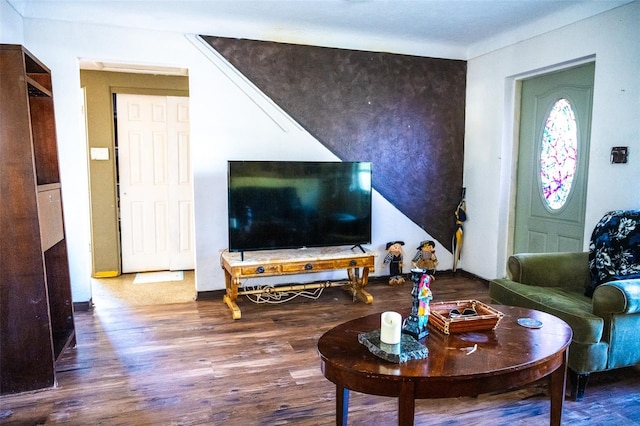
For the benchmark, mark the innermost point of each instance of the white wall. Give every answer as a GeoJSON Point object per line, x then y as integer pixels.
{"type": "Point", "coordinates": [229, 120]}
{"type": "Point", "coordinates": [613, 39]}
{"type": "Point", "coordinates": [11, 29]}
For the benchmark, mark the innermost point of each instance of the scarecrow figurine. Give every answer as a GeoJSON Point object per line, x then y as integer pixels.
{"type": "Point", "coordinates": [394, 259]}
{"type": "Point", "coordinates": [425, 257]}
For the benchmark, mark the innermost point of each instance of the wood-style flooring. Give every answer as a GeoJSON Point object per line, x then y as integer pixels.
{"type": "Point", "coordinates": [191, 364]}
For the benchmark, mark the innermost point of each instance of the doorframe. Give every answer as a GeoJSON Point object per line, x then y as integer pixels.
{"type": "Point", "coordinates": [509, 151]}
{"type": "Point", "coordinates": [100, 86]}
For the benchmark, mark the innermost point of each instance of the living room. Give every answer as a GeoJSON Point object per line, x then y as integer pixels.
{"type": "Point", "coordinates": [243, 117]}
{"type": "Point", "coordinates": [610, 37]}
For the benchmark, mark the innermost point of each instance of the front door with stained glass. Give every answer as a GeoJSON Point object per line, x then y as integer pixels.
{"type": "Point", "coordinates": [555, 122]}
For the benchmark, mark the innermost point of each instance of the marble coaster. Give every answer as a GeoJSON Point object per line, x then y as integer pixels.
{"type": "Point", "coordinates": [408, 348]}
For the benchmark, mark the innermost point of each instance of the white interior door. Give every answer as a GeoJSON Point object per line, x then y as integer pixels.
{"type": "Point", "coordinates": [155, 178]}
{"type": "Point", "coordinates": [180, 186]}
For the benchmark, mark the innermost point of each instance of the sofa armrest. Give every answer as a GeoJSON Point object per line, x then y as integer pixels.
{"type": "Point", "coordinates": [617, 297]}
{"type": "Point", "coordinates": [566, 270]}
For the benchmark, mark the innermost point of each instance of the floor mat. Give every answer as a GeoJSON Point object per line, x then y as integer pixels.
{"type": "Point", "coordinates": [158, 277]}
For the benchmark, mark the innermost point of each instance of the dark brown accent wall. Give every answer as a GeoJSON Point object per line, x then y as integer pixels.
{"type": "Point", "coordinates": [403, 113]}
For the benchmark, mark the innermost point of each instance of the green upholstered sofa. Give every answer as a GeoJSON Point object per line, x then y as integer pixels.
{"type": "Point", "coordinates": [596, 293]}
{"type": "Point", "coordinates": [606, 326]}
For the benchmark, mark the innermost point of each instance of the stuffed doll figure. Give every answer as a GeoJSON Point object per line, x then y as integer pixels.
{"type": "Point", "coordinates": [425, 257]}
{"type": "Point", "coordinates": [394, 260]}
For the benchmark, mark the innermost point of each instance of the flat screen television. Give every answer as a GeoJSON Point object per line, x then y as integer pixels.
{"type": "Point", "coordinates": [294, 204]}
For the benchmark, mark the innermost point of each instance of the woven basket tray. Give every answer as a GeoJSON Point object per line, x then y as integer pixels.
{"type": "Point", "coordinates": [487, 318]}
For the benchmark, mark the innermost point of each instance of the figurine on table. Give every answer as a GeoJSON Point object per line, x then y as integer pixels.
{"type": "Point", "coordinates": [416, 323]}
{"type": "Point", "coordinates": [394, 259]}
{"type": "Point", "coordinates": [424, 296]}
{"type": "Point", "coordinates": [425, 257]}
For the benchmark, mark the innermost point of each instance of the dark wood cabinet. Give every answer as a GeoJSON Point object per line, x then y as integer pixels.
{"type": "Point", "coordinates": [36, 310]}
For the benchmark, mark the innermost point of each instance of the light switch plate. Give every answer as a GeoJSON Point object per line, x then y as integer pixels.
{"type": "Point", "coordinates": [619, 154]}
{"type": "Point", "coordinates": [100, 154]}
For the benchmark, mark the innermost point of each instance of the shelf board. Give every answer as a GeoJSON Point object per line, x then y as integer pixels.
{"type": "Point", "coordinates": [36, 89]}
{"type": "Point", "coordinates": [48, 186]}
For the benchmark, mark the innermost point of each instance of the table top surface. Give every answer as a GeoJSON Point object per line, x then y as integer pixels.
{"type": "Point", "coordinates": [509, 350]}
{"type": "Point", "coordinates": [292, 255]}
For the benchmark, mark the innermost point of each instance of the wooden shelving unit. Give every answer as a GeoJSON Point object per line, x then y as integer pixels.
{"type": "Point", "coordinates": [36, 310]}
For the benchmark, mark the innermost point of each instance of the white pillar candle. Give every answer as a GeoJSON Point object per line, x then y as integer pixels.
{"type": "Point", "coordinates": [391, 327]}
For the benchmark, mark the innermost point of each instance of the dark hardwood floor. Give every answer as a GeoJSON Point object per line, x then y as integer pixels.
{"type": "Point", "coordinates": [191, 364]}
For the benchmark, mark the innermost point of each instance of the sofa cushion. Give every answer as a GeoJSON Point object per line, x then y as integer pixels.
{"type": "Point", "coordinates": [567, 304]}
{"type": "Point", "coordinates": [588, 357]}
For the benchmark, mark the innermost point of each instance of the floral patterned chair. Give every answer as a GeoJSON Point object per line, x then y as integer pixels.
{"type": "Point", "coordinates": [596, 293]}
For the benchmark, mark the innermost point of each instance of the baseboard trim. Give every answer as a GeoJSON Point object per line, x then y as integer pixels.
{"type": "Point", "coordinates": [210, 295]}
{"type": "Point", "coordinates": [83, 306]}
{"type": "Point", "coordinates": [448, 273]}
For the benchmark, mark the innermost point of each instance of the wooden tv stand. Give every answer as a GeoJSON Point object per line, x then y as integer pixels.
{"type": "Point", "coordinates": [296, 261]}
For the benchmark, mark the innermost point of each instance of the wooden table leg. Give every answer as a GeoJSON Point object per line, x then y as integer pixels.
{"type": "Point", "coordinates": [558, 382]}
{"type": "Point", "coordinates": [232, 295]}
{"type": "Point", "coordinates": [342, 405]}
{"type": "Point", "coordinates": [406, 405]}
{"type": "Point", "coordinates": [357, 284]}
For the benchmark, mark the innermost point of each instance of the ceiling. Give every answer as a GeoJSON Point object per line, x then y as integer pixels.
{"type": "Point", "coordinates": [459, 29]}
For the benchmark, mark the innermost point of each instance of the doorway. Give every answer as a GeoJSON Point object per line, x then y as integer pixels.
{"type": "Point", "coordinates": [101, 86]}
{"type": "Point", "coordinates": [553, 158]}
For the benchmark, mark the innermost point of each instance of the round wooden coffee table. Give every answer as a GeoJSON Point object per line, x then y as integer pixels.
{"type": "Point", "coordinates": [508, 357]}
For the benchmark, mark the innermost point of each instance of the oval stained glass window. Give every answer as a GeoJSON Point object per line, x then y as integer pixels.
{"type": "Point", "coordinates": [558, 154]}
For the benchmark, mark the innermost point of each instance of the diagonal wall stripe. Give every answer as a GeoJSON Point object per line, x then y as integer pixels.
{"type": "Point", "coordinates": [403, 113]}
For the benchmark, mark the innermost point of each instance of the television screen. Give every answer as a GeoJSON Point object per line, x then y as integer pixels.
{"type": "Point", "coordinates": [290, 204]}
